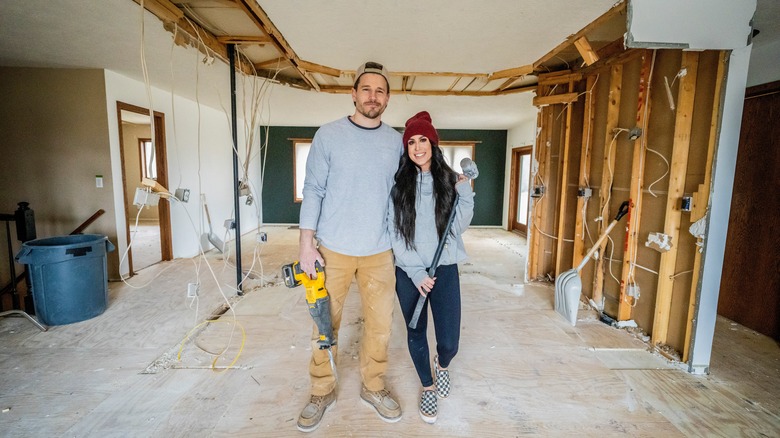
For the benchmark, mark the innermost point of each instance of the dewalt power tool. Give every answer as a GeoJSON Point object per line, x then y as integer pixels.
{"type": "Point", "coordinates": [318, 300]}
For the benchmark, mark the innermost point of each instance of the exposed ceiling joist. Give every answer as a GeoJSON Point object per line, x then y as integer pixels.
{"type": "Point", "coordinates": [247, 25]}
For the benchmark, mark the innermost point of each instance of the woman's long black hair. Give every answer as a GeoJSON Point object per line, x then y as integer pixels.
{"type": "Point", "coordinates": [405, 190]}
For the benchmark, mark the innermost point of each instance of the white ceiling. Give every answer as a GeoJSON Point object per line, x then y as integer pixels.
{"type": "Point", "coordinates": [405, 35]}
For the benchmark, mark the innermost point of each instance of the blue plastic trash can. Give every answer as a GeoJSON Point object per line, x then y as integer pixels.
{"type": "Point", "coordinates": [68, 276]}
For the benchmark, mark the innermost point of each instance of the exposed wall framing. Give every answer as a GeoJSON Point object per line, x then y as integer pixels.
{"type": "Point", "coordinates": [636, 125]}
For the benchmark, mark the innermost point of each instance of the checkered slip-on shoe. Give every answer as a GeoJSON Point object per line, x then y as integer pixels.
{"type": "Point", "coordinates": [428, 406]}
{"type": "Point", "coordinates": [442, 379]}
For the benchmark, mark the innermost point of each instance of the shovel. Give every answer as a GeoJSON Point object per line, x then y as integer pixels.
{"type": "Point", "coordinates": [210, 237]}
{"type": "Point", "coordinates": [568, 286]}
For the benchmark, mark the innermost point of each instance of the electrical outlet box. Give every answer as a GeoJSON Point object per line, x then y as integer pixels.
{"type": "Point", "coordinates": [584, 192]}
{"type": "Point", "coordinates": [230, 224]}
{"type": "Point", "coordinates": [193, 289]}
{"type": "Point", "coordinates": [262, 237]}
{"type": "Point", "coordinates": [182, 195]}
{"type": "Point", "coordinates": [632, 290]}
{"type": "Point", "coordinates": [145, 198]}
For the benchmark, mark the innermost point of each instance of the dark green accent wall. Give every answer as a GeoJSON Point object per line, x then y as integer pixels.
{"type": "Point", "coordinates": [490, 156]}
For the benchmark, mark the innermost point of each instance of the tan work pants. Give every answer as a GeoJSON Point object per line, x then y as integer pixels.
{"type": "Point", "coordinates": [376, 283]}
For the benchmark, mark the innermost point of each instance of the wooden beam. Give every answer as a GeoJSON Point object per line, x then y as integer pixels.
{"type": "Point", "coordinates": [341, 89]}
{"type": "Point", "coordinates": [512, 72]}
{"type": "Point", "coordinates": [586, 51]}
{"type": "Point", "coordinates": [585, 156]}
{"type": "Point", "coordinates": [321, 69]}
{"type": "Point", "coordinates": [234, 39]}
{"type": "Point", "coordinates": [613, 114]}
{"type": "Point", "coordinates": [635, 191]}
{"type": "Point", "coordinates": [619, 8]}
{"type": "Point", "coordinates": [555, 99]}
{"type": "Point", "coordinates": [539, 213]}
{"type": "Point", "coordinates": [264, 23]}
{"type": "Point", "coordinates": [677, 172]}
{"type": "Point", "coordinates": [163, 9]}
{"type": "Point", "coordinates": [430, 73]}
{"type": "Point", "coordinates": [559, 79]}
{"type": "Point", "coordinates": [272, 63]}
{"type": "Point", "coordinates": [702, 197]}
{"type": "Point", "coordinates": [563, 178]}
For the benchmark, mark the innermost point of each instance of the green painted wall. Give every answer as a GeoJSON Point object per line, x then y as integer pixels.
{"type": "Point", "coordinates": [490, 155]}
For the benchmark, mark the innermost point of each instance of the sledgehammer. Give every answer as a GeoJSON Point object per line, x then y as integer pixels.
{"type": "Point", "coordinates": [471, 172]}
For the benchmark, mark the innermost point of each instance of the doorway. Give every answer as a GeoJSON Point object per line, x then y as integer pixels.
{"type": "Point", "coordinates": [519, 190]}
{"type": "Point", "coordinates": [143, 156]}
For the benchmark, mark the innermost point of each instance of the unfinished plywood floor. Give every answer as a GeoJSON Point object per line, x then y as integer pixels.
{"type": "Point", "coordinates": [521, 370]}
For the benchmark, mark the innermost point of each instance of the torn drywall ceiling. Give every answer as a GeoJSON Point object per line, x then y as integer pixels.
{"type": "Point", "coordinates": [689, 24]}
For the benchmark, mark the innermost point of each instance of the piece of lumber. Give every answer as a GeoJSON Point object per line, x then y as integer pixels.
{"type": "Point", "coordinates": [618, 8]}
{"type": "Point", "coordinates": [512, 72]}
{"type": "Point", "coordinates": [584, 176]}
{"type": "Point", "coordinates": [550, 79]}
{"type": "Point", "coordinates": [258, 16]}
{"type": "Point", "coordinates": [246, 39]}
{"type": "Point", "coordinates": [540, 214]}
{"type": "Point", "coordinates": [702, 197]}
{"type": "Point", "coordinates": [677, 172]}
{"type": "Point", "coordinates": [563, 178]}
{"type": "Point", "coordinates": [321, 69]}
{"type": "Point", "coordinates": [555, 99]}
{"type": "Point", "coordinates": [605, 191]}
{"type": "Point", "coordinates": [637, 184]}
{"type": "Point", "coordinates": [586, 51]}
{"type": "Point", "coordinates": [163, 9]}
{"type": "Point", "coordinates": [87, 222]}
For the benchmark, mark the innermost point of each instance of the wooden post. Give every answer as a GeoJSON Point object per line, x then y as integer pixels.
{"type": "Point", "coordinates": [635, 192]}
{"type": "Point", "coordinates": [677, 173]}
{"type": "Point", "coordinates": [613, 113]}
{"type": "Point", "coordinates": [587, 138]}
{"type": "Point", "coordinates": [541, 153]}
{"type": "Point", "coordinates": [702, 196]}
{"type": "Point", "coordinates": [564, 186]}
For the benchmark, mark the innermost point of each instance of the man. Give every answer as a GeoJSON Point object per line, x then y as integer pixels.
{"type": "Point", "coordinates": [349, 175]}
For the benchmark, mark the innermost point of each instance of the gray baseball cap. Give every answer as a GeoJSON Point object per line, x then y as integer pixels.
{"type": "Point", "coordinates": [372, 67]}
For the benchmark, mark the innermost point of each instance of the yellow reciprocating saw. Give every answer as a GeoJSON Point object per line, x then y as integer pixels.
{"type": "Point", "coordinates": [318, 300]}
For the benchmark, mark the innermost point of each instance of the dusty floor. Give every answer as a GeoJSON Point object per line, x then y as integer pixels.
{"type": "Point", "coordinates": [149, 367]}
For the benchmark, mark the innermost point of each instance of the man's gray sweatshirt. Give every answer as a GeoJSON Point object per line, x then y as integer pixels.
{"type": "Point", "coordinates": [349, 175]}
{"type": "Point", "coordinates": [415, 262]}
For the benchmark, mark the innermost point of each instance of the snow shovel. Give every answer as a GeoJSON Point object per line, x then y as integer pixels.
{"type": "Point", "coordinates": [568, 286]}
{"type": "Point", "coordinates": [209, 237]}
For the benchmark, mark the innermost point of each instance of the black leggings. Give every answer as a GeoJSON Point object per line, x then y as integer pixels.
{"type": "Point", "coordinates": [444, 301]}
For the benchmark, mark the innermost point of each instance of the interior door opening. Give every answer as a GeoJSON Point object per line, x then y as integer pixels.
{"type": "Point", "coordinates": [519, 199]}
{"type": "Point", "coordinates": [143, 156]}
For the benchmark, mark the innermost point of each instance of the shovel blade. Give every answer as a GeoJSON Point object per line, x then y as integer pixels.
{"type": "Point", "coordinates": [568, 287]}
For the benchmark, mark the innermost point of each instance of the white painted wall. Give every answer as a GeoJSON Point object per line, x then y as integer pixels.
{"type": "Point", "coordinates": [519, 136]}
{"type": "Point", "coordinates": [199, 159]}
{"type": "Point", "coordinates": [692, 24]}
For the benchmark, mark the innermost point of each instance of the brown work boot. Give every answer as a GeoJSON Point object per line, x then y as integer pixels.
{"type": "Point", "coordinates": [312, 413]}
{"type": "Point", "coordinates": [384, 403]}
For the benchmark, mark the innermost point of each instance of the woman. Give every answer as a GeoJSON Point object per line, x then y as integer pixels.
{"type": "Point", "coordinates": [421, 202]}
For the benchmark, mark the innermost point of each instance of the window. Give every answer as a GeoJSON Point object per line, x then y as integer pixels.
{"type": "Point", "coordinates": [301, 147]}
{"type": "Point", "coordinates": [455, 151]}
{"type": "Point", "coordinates": [148, 159]}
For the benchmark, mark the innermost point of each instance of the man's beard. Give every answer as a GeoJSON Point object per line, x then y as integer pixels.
{"type": "Point", "coordinates": [371, 112]}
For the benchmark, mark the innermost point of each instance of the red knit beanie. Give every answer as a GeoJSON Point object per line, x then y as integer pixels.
{"type": "Point", "coordinates": [420, 124]}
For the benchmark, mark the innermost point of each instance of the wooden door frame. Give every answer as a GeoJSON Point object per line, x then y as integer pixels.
{"type": "Point", "coordinates": [163, 208]}
{"type": "Point", "coordinates": [513, 187]}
